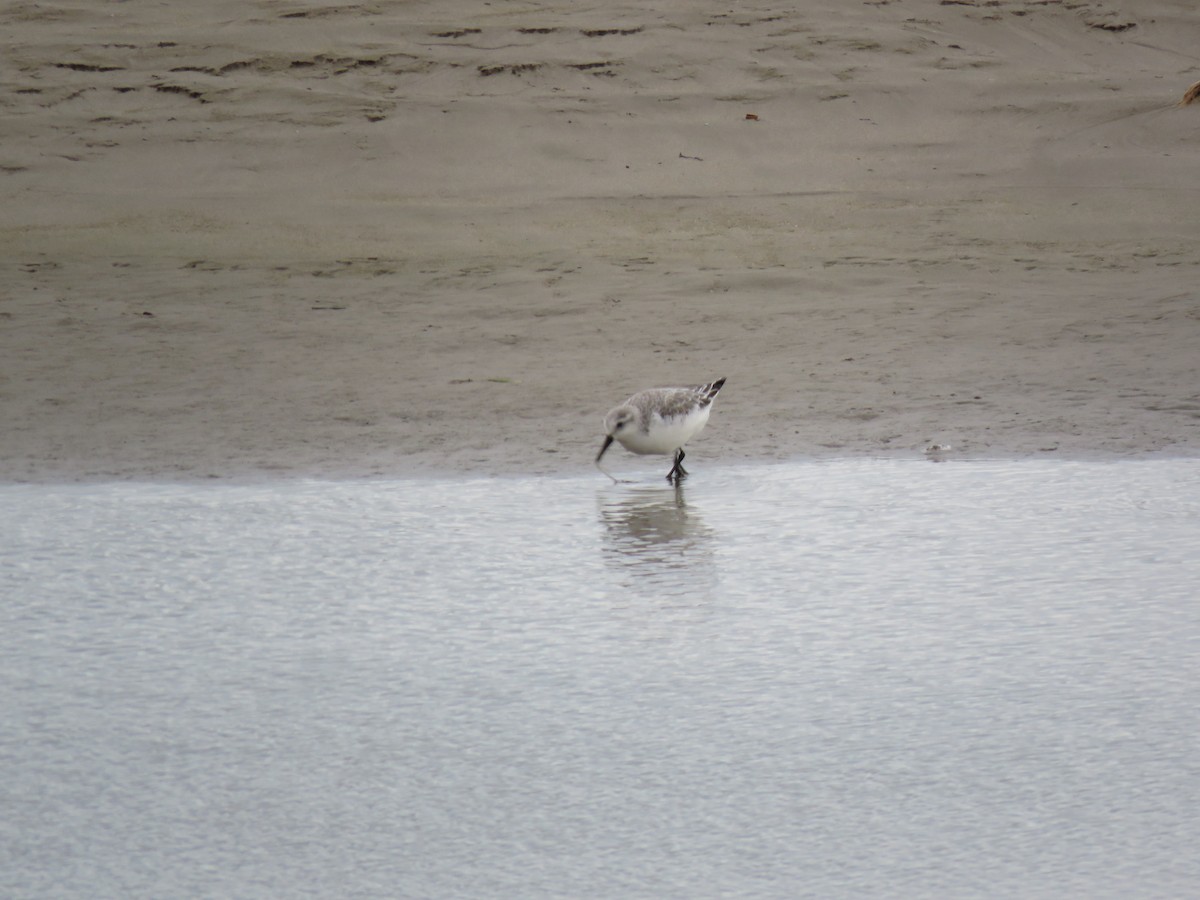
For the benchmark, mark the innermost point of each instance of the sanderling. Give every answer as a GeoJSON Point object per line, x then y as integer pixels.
{"type": "Point", "coordinates": [660, 420]}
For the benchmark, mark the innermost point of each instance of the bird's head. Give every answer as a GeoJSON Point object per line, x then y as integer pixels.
{"type": "Point", "coordinates": [618, 422]}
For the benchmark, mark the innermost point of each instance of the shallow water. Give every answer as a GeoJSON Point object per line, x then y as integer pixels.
{"type": "Point", "coordinates": [837, 679]}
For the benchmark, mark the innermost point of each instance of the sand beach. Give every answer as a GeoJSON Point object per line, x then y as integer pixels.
{"type": "Point", "coordinates": [284, 238]}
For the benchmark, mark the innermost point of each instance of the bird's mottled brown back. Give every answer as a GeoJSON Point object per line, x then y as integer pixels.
{"type": "Point", "coordinates": [669, 403]}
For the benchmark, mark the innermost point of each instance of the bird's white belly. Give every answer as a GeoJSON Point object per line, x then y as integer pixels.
{"type": "Point", "coordinates": [665, 435]}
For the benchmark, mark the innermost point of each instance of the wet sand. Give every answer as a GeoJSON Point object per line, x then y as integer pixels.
{"type": "Point", "coordinates": [281, 238]}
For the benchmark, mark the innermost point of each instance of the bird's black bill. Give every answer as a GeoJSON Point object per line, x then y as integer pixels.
{"type": "Point", "coordinates": [607, 443]}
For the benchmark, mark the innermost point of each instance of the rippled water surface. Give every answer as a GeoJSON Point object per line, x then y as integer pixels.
{"type": "Point", "coordinates": [837, 679]}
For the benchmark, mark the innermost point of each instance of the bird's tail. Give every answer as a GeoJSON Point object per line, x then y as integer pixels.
{"type": "Point", "coordinates": [710, 391]}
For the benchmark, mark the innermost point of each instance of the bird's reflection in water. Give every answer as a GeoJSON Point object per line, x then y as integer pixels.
{"type": "Point", "coordinates": [659, 544]}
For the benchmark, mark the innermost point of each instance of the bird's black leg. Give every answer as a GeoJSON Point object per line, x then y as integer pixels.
{"type": "Point", "coordinates": [677, 471]}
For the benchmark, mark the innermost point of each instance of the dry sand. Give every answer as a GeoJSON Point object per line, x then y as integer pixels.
{"type": "Point", "coordinates": [387, 238]}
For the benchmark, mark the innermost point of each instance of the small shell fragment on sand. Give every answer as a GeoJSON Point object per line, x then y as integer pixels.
{"type": "Point", "coordinates": [1191, 95]}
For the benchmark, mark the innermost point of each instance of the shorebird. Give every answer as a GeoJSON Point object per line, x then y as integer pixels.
{"type": "Point", "coordinates": [660, 420]}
